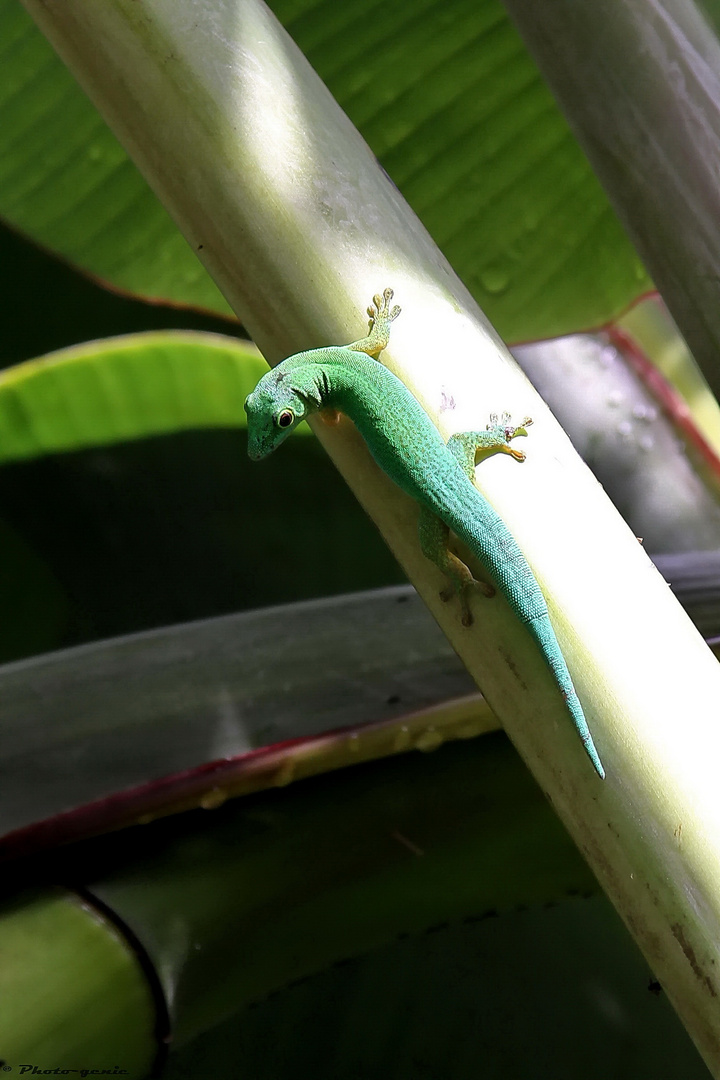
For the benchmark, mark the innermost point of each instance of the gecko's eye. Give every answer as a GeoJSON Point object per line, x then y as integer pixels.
{"type": "Point", "coordinates": [285, 418]}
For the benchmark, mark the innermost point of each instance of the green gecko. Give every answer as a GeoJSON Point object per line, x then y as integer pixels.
{"type": "Point", "coordinates": [408, 447]}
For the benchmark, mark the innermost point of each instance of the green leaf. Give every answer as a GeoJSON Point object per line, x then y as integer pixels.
{"type": "Point", "coordinates": [278, 885]}
{"type": "Point", "coordinates": [460, 117]}
{"type": "Point", "coordinates": [74, 994]}
{"type": "Point", "coordinates": [425, 910]}
{"type": "Point", "coordinates": [129, 501]}
{"type": "Point", "coordinates": [125, 388]}
{"type": "Point", "coordinates": [448, 99]}
{"type": "Point", "coordinates": [522, 995]}
{"type": "Point", "coordinates": [102, 393]}
{"type": "Point", "coordinates": [148, 752]}
{"type": "Point", "coordinates": [66, 181]}
{"type": "Point", "coordinates": [34, 603]}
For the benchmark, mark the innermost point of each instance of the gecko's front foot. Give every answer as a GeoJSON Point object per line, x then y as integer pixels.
{"type": "Point", "coordinates": [381, 315]}
{"type": "Point", "coordinates": [380, 310]}
{"type": "Point", "coordinates": [502, 431]}
{"type": "Point", "coordinates": [468, 446]}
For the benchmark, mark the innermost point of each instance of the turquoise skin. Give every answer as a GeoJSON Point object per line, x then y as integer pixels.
{"type": "Point", "coordinates": [410, 450]}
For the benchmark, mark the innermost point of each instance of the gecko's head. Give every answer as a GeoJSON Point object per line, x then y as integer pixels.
{"type": "Point", "coordinates": [274, 408]}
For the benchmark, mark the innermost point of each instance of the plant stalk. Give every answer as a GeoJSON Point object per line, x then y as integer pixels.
{"type": "Point", "coordinates": [288, 209]}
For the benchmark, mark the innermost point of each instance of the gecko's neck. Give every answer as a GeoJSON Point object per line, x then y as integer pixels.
{"type": "Point", "coordinates": [401, 438]}
{"type": "Point", "coordinates": [353, 383]}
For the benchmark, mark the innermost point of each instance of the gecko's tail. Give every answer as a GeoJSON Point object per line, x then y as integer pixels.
{"type": "Point", "coordinates": [542, 631]}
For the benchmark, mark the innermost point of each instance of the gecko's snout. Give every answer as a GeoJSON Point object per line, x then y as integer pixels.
{"type": "Point", "coordinates": [256, 446]}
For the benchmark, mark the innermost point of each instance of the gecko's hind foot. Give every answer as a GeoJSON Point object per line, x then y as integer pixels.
{"type": "Point", "coordinates": [466, 615]}
{"type": "Point", "coordinates": [447, 593]}
{"type": "Point", "coordinates": [451, 591]}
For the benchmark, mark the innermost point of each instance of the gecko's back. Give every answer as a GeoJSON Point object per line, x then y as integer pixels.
{"type": "Point", "coordinates": [408, 447]}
